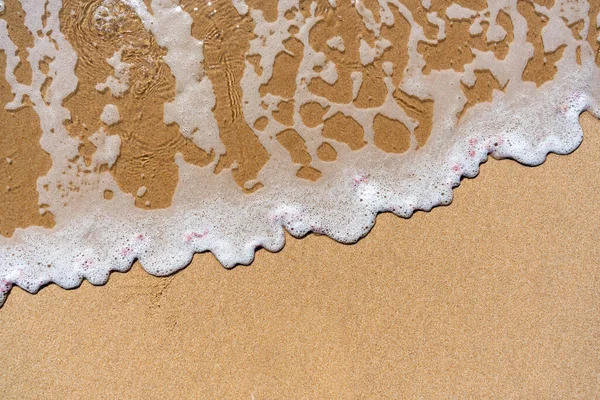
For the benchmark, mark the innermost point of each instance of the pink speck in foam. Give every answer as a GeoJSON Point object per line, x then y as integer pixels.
{"type": "Point", "coordinates": [195, 235]}
{"type": "Point", "coordinates": [5, 286]}
{"type": "Point", "coordinates": [357, 180]}
{"type": "Point", "coordinates": [88, 263]}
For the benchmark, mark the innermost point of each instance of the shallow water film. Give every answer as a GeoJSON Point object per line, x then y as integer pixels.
{"type": "Point", "coordinates": [153, 130]}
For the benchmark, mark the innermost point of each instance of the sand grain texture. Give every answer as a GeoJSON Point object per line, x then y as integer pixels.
{"type": "Point", "coordinates": [495, 296]}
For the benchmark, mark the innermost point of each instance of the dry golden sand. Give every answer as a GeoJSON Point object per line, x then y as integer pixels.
{"type": "Point", "coordinates": [495, 296]}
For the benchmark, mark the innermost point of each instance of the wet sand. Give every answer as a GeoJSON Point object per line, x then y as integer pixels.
{"type": "Point", "coordinates": [495, 296]}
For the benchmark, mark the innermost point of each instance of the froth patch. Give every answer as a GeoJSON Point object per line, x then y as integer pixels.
{"type": "Point", "coordinates": [22, 161]}
{"type": "Point", "coordinates": [110, 115]}
{"type": "Point", "coordinates": [123, 66]}
{"type": "Point", "coordinates": [108, 148]}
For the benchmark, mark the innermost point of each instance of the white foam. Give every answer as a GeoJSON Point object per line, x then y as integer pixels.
{"type": "Point", "coordinates": [110, 115]}
{"type": "Point", "coordinates": [240, 6]}
{"type": "Point", "coordinates": [457, 12]}
{"type": "Point", "coordinates": [118, 83]}
{"type": "Point", "coordinates": [336, 43]}
{"type": "Point", "coordinates": [388, 68]}
{"type": "Point", "coordinates": [357, 79]}
{"type": "Point", "coordinates": [434, 19]}
{"type": "Point", "coordinates": [172, 28]}
{"type": "Point", "coordinates": [210, 212]}
{"type": "Point", "coordinates": [108, 148]}
{"type": "Point", "coordinates": [369, 54]}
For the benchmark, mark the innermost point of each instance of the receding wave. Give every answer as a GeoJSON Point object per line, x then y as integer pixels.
{"type": "Point", "coordinates": [150, 131]}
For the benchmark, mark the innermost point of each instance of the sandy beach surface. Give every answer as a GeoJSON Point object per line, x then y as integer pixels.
{"type": "Point", "coordinates": [495, 296]}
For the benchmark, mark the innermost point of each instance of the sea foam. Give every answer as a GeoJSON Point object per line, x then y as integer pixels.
{"type": "Point", "coordinates": [209, 211]}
